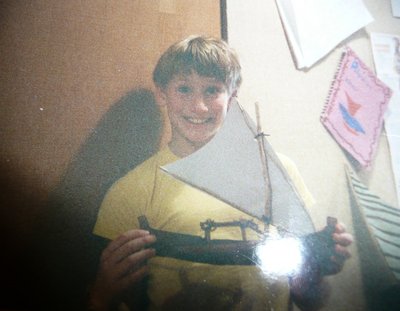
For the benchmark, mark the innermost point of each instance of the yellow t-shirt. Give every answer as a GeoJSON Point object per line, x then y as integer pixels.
{"type": "Point", "coordinates": [171, 205]}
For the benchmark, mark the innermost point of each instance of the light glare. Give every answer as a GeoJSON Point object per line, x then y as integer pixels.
{"type": "Point", "coordinates": [280, 256]}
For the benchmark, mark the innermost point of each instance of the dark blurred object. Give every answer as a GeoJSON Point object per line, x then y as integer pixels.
{"type": "Point", "coordinates": [380, 287]}
{"type": "Point", "coordinates": [66, 251]}
{"type": "Point", "coordinates": [390, 299]}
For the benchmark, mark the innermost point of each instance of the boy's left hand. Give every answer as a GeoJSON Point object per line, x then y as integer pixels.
{"type": "Point", "coordinates": [342, 240]}
{"type": "Point", "coordinates": [327, 250]}
{"type": "Point", "coordinates": [325, 254]}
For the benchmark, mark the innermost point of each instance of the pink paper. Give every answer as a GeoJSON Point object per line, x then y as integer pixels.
{"type": "Point", "coordinates": [355, 108]}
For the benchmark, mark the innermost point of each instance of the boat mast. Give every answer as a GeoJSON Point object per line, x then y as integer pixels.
{"type": "Point", "coordinates": [260, 136]}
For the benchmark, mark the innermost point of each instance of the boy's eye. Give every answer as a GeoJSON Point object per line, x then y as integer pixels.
{"type": "Point", "coordinates": [183, 89]}
{"type": "Point", "coordinates": [212, 90]}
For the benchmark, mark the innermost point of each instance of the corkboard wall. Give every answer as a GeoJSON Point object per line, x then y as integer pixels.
{"type": "Point", "coordinates": [63, 65]}
{"type": "Point", "coordinates": [291, 102]}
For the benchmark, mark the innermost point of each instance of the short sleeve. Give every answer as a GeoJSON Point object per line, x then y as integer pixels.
{"type": "Point", "coordinates": [120, 208]}
{"type": "Point", "coordinates": [297, 180]}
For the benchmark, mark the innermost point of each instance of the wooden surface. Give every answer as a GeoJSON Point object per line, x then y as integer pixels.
{"type": "Point", "coordinates": [64, 64]}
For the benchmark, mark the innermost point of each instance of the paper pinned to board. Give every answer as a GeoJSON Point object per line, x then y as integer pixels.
{"type": "Point", "coordinates": [386, 53]}
{"type": "Point", "coordinates": [313, 27]}
{"type": "Point", "coordinates": [355, 108]}
{"type": "Point", "coordinates": [396, 8]}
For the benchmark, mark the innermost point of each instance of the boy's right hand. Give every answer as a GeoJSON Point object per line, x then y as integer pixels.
{"type": "Point", "coordinates": [123, 263]}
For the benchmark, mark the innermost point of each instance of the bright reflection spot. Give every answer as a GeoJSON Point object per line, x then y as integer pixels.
{"type": "Point", "coordinates": [280, 256]}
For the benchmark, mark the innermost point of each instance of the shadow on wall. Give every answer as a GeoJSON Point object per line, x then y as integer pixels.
{"type": "Point", "coordinates": [20, 199]}
{"type": "Point", "coordinates": [68, 253]}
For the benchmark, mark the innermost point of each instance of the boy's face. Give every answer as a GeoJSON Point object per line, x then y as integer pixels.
{"type": "Point", "coordinates": [197, 106]}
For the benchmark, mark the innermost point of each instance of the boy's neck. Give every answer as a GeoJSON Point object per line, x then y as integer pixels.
{"type": "Point", "coordinates": [183, 149]}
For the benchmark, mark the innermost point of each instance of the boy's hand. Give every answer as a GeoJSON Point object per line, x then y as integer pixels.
{"type": "Point", "coordinates": [123, 263]}
{"type": "Point", "coordinates": [327, 251]}
{"type": "Point", "coordinates": [341, 253]}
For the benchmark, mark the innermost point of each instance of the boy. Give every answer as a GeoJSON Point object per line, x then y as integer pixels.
{"type": "Point", "coordinates": [196, 79]}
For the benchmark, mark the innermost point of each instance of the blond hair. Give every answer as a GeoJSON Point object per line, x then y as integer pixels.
{"type": "Point", "coordinates": [206, 56]}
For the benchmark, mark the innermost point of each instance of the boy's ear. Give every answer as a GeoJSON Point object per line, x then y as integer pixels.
{"type": "Point", "coordinates": [232, 98]}
{"type": "Point", "coordinates": [161, 98]}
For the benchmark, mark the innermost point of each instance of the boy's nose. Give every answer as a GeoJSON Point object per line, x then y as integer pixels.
{"type": "Point", "coordinates": [199, 105]}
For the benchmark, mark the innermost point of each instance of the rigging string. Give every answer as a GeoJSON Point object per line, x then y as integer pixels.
{"type": "Point", "coordinates": [260, 136]}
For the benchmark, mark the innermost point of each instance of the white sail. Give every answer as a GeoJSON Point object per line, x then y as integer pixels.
{"type": "Point", "coordinates": [229, 168]}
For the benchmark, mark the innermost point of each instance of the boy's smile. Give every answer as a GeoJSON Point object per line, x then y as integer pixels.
{"type": "Point", "coordinates": [197, 106]}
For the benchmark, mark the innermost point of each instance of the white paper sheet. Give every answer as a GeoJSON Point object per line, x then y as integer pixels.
{"type": "Point", "coordinates": [396, 8]}
{"type": "Point", "coordinates": [386, 53]}
{"type": "Point", "coordinates": [315, 27]}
